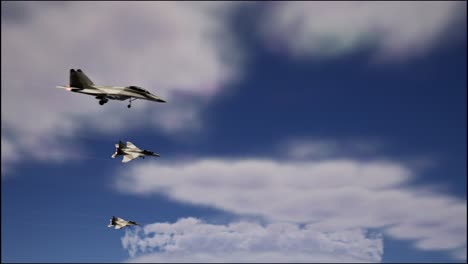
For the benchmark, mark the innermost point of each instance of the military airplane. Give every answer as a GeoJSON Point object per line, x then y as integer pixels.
{"type": "Point", "coordinates": [131, 151]}
{"type": "Point", "coordinates": [80, 83]}
{"type": "Point", "coordinates": [119, 223]}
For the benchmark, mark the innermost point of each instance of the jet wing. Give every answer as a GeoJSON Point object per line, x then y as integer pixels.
{"type": "Point", "coordinates": [120, 221]}
{"type": "Point", "coordinates": [130, 157]}
{"type": "Point", "coordinates": [131, 145]}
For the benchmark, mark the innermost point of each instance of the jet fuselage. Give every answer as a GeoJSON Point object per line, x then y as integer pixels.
{"type": "Point", "coordinates": [80, 83]}
{"type": "Point", "coordinates": [140, 152]}
{"type": "Point", "coordinates": [130, 152]}
{"type": "Point", "coordinates": [117, 93]}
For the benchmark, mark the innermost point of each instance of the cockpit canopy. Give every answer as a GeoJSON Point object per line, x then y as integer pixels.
{"type": "Point", "coordinates": [137, 88]}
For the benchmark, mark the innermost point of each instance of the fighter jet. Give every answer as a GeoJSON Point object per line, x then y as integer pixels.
{"type": "Point", "coordinates": [80, 83]}
{"type": "Point", "coordinates": [131, 151]}
{"type": "Point", "coordinates": [119, 223]}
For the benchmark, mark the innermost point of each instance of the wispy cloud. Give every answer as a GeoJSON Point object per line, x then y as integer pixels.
{"type": "Point", "coordinates": [397, 29]}
{"type": "Point", "coordinates": [307, 148]}
{"type": "Point", "coordinates": [328, 194]}
{"type": "Point", "coordinates": [8, 155]}
{"type": "Point", "coordinates": [193, 240]}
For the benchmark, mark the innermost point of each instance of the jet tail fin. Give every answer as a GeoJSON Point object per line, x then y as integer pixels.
{"type": "Point", "coordinates": [79, 80]}
{"type": "Point", "coordinates": [83, 78]}
{"type": "Point", "coordinates": [75, 80]}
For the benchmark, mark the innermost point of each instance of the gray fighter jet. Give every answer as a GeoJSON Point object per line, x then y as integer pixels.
{"type": "Point", "coordinates": [119, 223]}
{"type": "Point", "coordinates": [131, 151]}
{"type": "Point", "coordinates": [80, 83]}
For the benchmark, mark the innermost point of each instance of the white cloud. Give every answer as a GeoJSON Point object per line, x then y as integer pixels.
{"type": "Point", "coordinates": [183, 51]}
{"type": "Point", "coordinates": [191, 240]}
{"type": "Point", "coordinates": [8, 154]}
{"type": "Point", "coordinates": [330, 195]}
{"type": "Point", "coordinates": [397, 29]}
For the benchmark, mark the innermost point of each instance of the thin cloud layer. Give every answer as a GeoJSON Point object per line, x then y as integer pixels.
{"type": "Point", "coordinates": [396, 29]}
{"type": "Point", "coordinates": [326, 148]}
{"type": "Point", "coordinates": [192, 240]}
{"type": "Point", "coordinates": [8, 154]}
{"type": "Point", "coordinates": [183, 52]}
{"type": "Point", "coordinates": [329, 195]}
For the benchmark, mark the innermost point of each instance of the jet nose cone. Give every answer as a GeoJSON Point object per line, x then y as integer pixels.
{"type": "Point", "coordinates": [157, 98]}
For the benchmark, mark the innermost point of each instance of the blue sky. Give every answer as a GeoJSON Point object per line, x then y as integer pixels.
{"type": "Point", "coordinates": [293, 132]}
